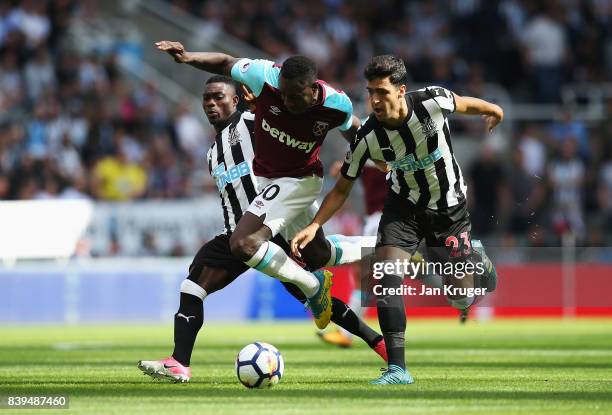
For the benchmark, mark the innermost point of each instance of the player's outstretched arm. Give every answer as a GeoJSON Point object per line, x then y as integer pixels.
{"type": "Point", "coordinates": [331, 204]}
{"type": "Point", "coordinates": [213, 62]}
{"type": "Point", "coordinates": [492, 113]}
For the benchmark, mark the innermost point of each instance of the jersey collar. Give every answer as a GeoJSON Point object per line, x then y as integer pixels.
{"type": "Point", "coordinates": [323, 92]}
{"type": "Point", "coordinates": [230, 120]}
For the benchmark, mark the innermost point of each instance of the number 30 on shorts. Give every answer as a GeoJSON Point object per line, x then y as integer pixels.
{"type": "Point", "coordinates": [270, 192]}
{"type": "Point", "coordinates": [453, 241]}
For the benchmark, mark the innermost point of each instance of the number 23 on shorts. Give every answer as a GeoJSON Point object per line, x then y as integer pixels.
{"type": "Point", "coordinates": [453, 242]}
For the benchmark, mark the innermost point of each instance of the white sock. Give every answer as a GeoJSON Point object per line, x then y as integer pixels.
{"type": "Point", "coordinates": [344, 249]}
{"type": "Point", "coordinates": [273, 261]}
{"type": "Point", "coordinates": [190, 287]}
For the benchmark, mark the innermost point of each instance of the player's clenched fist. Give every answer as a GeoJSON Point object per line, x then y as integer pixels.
{"type": "Point", "coordinates": [303, 238]}
{"type": "Point", "coordinates": [492, 120]}
{"type": "Point", "coordinates": [174, 49]}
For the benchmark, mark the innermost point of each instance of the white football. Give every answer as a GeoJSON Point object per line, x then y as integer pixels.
{"type": "Point", "coordinates": [259, 365]}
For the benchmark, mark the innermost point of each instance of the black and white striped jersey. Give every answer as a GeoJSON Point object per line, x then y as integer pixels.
{"type": "Point", "coordinates": [230, 162]}
{"type": "Point", "coordinates": [423, 166]}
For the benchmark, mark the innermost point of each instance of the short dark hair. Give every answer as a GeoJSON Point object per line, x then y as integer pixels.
{"type": "Point", "coordinates": [299, 67]}
{"type": "Point", "coordinates": [383, 66]}
{"type": "Point", "coordinates": [223, 80]}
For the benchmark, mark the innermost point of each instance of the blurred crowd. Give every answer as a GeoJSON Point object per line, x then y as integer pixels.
{"type": "Point", "coordinates": [531, 47]}
{"type": "Point", "coordinates": [555, 179]}
{"type": "Point", "coordinates": [72, 126]}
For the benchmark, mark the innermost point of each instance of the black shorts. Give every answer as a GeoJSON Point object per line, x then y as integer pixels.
{"type": "Point", "coordinates": [447, 232]}
{"type": "Point", "coordinates": [216, 254]}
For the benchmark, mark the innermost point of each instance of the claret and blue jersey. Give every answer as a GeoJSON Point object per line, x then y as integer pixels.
{"type": "Point", "coordinates": [286, 144]}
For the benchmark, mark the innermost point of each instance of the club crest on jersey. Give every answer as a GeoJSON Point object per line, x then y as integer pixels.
{"type": "Point", "coordinates": [275, 110]}
{"type": "Point", "coordinates": [234, 137]}
{"type": "Point", "coordinates": [429, 128]}
{"type": "Point", "coordinates": [438, 91]}
{"type": "Point", "coordinates": [320, 128]}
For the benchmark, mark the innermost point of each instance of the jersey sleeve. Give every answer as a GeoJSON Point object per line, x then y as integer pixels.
{"type": "Point", "coordinates": [355, 159]}
{"type": "Point", "coordinates": [444, 98]}
{"type": "Point", "coordinates": [255, 73]}
{"type": "Point", "coordinates": [340, 101]}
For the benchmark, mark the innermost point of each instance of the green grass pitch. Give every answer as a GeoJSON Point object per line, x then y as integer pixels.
{"type": "Point", "coordinates": [502, 366]}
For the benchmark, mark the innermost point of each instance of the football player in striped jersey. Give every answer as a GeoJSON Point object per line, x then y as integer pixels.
{"type": "Point", "coordinates": [409, 131]}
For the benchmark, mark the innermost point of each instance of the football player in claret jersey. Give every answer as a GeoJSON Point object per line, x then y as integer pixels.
{"type": "Point", "coordinates": [294, 113]}
{"type": "Point", "coordinates": [230, 163]}
{"type": "Point", "coordinates": [427, 195]}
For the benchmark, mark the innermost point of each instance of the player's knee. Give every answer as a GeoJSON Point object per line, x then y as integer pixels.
{"type": "Point", "coordinates": [197, 275]}
{"type": "Point", "coordinates": [244, 247]}
{"type": "Point", "coordinates": [211, 280]}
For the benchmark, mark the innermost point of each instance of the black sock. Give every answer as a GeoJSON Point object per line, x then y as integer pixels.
{"type": "Point", "coordinates": [346, 318]}
{"type": "Point", "coordinates": [395, 348]}
{"type": "Point", "coordinates": [187, 323]}
{"type": "Point", "coordinates": [392, 319]}
{"type": "Point", "coordinates": [343, 316]}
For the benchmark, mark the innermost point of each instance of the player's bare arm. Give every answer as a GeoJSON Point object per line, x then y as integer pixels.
{"type": "Point", "coordinates": [331, 204]}
{"type": "Point", "coordinates": [492, 113]}
{"type": "Point", "coordinates": [214, 62]}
